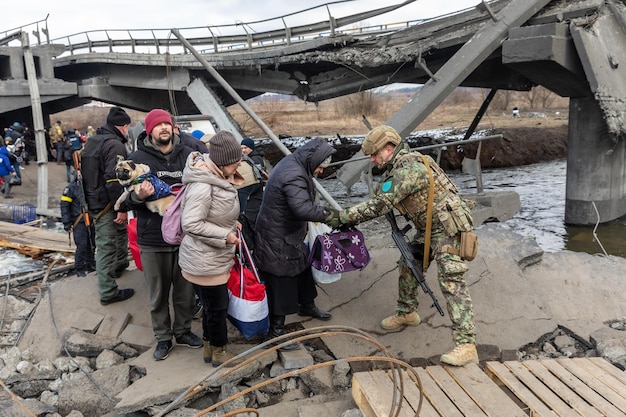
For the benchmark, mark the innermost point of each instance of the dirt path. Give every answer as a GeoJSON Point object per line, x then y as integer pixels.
{"type": "Point", "coordinates": [27, 192]}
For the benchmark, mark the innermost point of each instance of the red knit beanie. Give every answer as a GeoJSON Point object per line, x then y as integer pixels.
{"type": "Point", "coordinates": [155, 117]}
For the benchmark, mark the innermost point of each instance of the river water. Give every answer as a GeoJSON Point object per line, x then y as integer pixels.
{"type": "Point", "coordinates": [541, 188]}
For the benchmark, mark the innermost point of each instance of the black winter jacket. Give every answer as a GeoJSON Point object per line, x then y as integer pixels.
{"type": "Point", "coordinates": [70, 204]}
{"type": "Point", "coordinates": [98, 161]}
{"type": "Point", "coordinates": [288, 203]}
{"type": "Point", "coordinates": [168, 168]}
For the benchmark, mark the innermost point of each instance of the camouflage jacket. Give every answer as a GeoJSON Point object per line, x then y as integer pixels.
{"type": "Point", "coordinates": [56, 134]}
{"type": "Point", "coordinates": [404, 186]}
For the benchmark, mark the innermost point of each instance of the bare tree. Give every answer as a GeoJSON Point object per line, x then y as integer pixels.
{"type": "Point", "coordinates": [502, 100]}
{"type": "Point", "coordinates": [540, 98]}
{"type": "Point", "coordinates": [356, 104]}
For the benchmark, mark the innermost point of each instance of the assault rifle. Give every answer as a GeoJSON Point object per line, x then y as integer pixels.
{"type": "Point", "coordinates": [259, 173]}
{"type": "Point", "coordinates": [81, 193]}
{"type": "Point", "coordinates": [409, 258]}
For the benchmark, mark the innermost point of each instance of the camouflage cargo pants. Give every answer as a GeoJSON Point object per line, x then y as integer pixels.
{"type": "Point", "coordinates": [450, 271]}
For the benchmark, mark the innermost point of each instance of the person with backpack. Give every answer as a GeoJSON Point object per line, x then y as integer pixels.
{"type": "Point", "coordinates": [209, 220]}
{"type": "Point", "coordinates": [72, 144]}
{"type": "Point", "coordinates": [97, 168]}
{"type": "Point", "coordinates": [165, 154]}
{"type": "Point", "coordinates": [57, 141]}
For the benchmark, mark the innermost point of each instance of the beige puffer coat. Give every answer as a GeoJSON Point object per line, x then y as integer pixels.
{"type": "Point", "coordinates": [210, 211]}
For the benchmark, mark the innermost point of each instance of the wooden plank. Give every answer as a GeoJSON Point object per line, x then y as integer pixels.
{"type": "Point", "coordinates": [609, 368]}
{"type": "Point", "coordinates": [412, 393]}
{"type": "Point", "coordinates": [464, 402]}
{"type": "Point", "coordinates": [376, 393]}
{"type": "Point", "coordinates": [33, 240]}
{"type": "Point", "coordinates": [581, 389]}
{"type": "Point", "coordinates": [609, 380]}
{"type": "Point", "coordinates": [487, 395]}
{"type": "Point", "coordinates": [360, 384]}
{"type": "Point", "coordinates": [503, 374]}
{"type": "Point", "coordinates": [616, 403]}
{"type": "Point", "coordinates": [561, 389]}
{"type": "Point", "coordinates": [553, 401]}
{"type": "Point", "coordinates": [436, 396]}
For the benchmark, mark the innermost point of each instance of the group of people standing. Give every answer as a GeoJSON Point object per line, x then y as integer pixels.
{"type": "Point", "coordinates": [279, 205]}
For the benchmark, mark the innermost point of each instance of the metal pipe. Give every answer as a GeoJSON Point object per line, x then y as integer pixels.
{"type": "Point", "coordinates": [250, 112]}
{"type": "Point", "coordinates": [427, 147]}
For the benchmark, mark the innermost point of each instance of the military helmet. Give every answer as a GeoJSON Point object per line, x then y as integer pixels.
{"type": "Point", "coordinates": [378, 137]}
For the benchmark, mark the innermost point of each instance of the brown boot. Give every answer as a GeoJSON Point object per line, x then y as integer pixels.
{"type": "Point", "coordinates": [208, 352]}
{"type": "Point", "coordinates": [220, 355]}
{"type": "Point", "coordinates": [461, 355]}
{"type": "Point", "coordinates": [399, 320]}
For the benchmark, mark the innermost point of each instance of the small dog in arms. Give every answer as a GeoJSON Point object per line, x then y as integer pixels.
{"type": "Point", "coordinates": [131, 174]}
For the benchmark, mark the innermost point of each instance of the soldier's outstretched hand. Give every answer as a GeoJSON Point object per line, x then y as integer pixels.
{"type": "Point", "coordinates": [333, 219]}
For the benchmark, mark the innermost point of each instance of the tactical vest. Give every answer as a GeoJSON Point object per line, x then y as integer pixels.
{"type": "Point", "coordinates": [450, 213]}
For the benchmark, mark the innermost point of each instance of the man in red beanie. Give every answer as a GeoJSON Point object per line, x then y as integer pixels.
{"type": "Point", "coordinates": [162, 150]}
{"type": "Point", "coordinates": [101, 188]}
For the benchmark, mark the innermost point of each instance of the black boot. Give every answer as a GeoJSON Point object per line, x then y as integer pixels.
{"type": "Point", "coordinates": [311, 310]}
{"type": "Point", "coordinates": [277, 328]}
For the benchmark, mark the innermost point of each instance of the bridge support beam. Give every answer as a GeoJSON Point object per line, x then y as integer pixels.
{"type": "Point", "coordinates": [208, 103]}
{"type": "Point", "coordinates": [595, 167]}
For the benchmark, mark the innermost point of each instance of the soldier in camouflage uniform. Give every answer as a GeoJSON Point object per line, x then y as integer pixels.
{"type": "Point", "coordinates": [404, 186]}
{"type": "Point", "coordinates": [57, 140]}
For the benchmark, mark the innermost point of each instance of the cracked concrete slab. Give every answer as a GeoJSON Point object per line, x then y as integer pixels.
{"type": "Point", "coordinates": [515, 301]}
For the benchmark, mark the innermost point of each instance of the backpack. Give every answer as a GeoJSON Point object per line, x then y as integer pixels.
{"type": "Point", "coordinates": [171, 227]}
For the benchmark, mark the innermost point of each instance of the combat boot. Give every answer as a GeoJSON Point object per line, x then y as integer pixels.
{"type": "Point", "coordinates": [461, 355]}
{"type": "Point", "coordinates": [207, 352]}
{"type": "Point", "coordinates": [220, 354]}
{"type": "Point", "coordinates": [399, 320]}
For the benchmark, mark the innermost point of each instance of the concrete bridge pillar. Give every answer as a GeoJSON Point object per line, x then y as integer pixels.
{"type": "Point", "coordinates": [11, 64]}
{"type": "Point", "coordinates": [596, 172]}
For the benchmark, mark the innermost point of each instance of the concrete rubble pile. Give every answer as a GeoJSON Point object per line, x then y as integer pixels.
{"type": "Point", "coordinates": [87, 382]}
{"type": "Point", "coordinates": [97, 370]}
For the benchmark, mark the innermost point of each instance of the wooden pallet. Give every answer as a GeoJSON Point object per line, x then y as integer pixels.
{"type": "Point", "coordinates": [565, 387]}
{"type": "Point", "coordinates": [562, 387]}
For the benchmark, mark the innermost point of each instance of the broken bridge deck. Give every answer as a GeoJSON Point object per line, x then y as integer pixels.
{"type": "Point", "coordinates": [575, 387]}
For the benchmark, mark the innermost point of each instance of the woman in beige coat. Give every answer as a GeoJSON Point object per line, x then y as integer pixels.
{"type": "Point", "coordinates": [209, 219]}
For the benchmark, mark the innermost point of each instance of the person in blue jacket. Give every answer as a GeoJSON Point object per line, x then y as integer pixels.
{"type": "Point", "coordinates": [6, 171]}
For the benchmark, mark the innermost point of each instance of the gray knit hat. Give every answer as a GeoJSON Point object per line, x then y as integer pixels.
{"type": "Point", "coordinates": [224, 149]}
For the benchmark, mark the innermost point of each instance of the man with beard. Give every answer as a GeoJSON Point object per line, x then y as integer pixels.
{"type": "Point", "coordinates": [101, 189]}
{"type": "Point", "coordinates": [162, 150]}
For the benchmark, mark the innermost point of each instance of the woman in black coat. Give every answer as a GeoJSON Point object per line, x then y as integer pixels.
{"type": "Point", "coordinates": [280, 253]}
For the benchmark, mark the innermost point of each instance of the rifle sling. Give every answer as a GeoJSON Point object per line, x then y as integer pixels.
{"type": "Point", "coordinates": [80, 216]}
{"type": "Point", "coordinates": [429, 213]}
{"type": "Point", "coordinates": [103, 212]}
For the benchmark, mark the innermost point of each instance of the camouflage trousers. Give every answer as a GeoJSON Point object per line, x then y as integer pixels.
{"type": "Point", "coordinates": [450, 271]}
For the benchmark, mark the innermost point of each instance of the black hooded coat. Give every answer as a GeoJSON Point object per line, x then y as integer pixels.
{"type": "Point", "coordinates": [288, 203]}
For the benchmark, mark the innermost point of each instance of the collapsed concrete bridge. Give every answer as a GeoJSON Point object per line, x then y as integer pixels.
{"type": "Point", "coordinates": [573, 48]}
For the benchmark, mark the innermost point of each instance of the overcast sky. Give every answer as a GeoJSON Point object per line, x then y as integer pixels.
{"type": "Point", "coordinates": [71, 16]}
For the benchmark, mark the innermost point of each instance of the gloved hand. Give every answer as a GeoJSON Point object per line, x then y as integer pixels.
{"type": "Point", "coordinates": [67, 227]}
{"type": "Point", "coordinates": [333, 219]}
